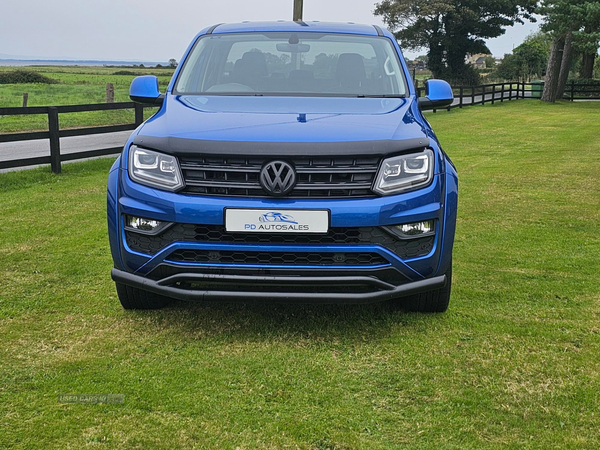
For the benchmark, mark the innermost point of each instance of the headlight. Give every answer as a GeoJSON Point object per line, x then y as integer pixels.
{"type": "Point", "coordinates": [154, 169]}
{"type": "Point", "coordinates": [404, 173]}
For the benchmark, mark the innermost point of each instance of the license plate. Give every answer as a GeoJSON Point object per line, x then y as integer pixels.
{"type": "Point", "coordinates": [276, 220]}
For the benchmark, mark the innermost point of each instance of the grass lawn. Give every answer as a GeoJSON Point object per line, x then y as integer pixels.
{"type": "Point", "coordinates": [76, 85]}
{"type": "Point", "coordinates": [514, 363]}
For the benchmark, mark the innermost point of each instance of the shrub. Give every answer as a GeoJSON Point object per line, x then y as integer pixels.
{"type": "Point", "coordinates": [588, 90]}
{"type": "Point", "coordinates": [124, 72]}
{"type": "Point", "coordinates": [594, 81]}
{"type": "Point", "coordinates": [467, 76]}
{"type": "Point", "coordinates": [24, 76]}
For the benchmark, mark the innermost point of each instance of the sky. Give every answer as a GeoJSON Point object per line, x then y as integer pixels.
{"type": "Point", "coordinates": [153, 30]}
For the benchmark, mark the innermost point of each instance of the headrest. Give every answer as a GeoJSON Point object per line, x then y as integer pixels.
{"type": "Point", "coordinates": [351, 66]}
{"type": "Point", "coordinates": [251, 64]}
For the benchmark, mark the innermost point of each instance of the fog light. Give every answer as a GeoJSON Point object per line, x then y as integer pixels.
{"type": "Point", "coordinates": [413, 230]}
{"type": "Point", "coordinates": [145, 226]}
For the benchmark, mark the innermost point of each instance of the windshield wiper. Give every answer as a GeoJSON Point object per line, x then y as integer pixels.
{"type": "Point", "coordinates": [382, 96]}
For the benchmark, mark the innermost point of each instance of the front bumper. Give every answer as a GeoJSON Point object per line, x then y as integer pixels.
{"type": "Point", "coordinates": [170, 287]}
{"type": "Point", "coordinates": [392, 276]}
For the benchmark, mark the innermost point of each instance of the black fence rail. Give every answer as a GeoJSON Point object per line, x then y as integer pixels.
{"type": "Point", "coordinates": [582, 91]}
{"type": "Point", "coordinates": [54, 132]}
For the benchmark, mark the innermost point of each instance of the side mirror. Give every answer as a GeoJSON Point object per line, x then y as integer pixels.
{"type": "Point", "coordinates": [144, 89]}
{"type": "Point", "coordinates": [438, 94]}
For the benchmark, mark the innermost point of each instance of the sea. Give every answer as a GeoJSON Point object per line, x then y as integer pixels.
{"type": "Point", "coordinates": [90, 63]}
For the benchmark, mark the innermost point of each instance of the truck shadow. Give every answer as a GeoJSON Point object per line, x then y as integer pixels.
{"type": "Point", "coordinates": [285, 322]}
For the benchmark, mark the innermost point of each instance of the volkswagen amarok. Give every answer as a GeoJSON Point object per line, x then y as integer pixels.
{"type": "Point", "coordinates": [287, 161]}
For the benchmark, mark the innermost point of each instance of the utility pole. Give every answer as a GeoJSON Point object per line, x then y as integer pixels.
{"type": "Point", "coordinates": [298, 4]}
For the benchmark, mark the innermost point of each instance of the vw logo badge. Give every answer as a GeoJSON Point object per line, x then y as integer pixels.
{"type": "Point", "coordinates": [278, 178]}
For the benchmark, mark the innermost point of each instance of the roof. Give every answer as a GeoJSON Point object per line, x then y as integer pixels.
{"type": "Point", "coordinates": [288, 25]}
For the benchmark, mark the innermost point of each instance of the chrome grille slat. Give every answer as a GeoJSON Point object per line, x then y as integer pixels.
{"type": "Point", "coordinates": [318, 186]}
{"type": "Point", "coordinates": [220, 168]}
{"type": "Point", "coordinates": [225, 183]}
{"type": "Point", "coordinates": [336, 169]}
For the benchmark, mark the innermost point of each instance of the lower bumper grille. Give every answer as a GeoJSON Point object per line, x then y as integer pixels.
{"type": "Point", "coordinates": [405, 249]}
{"type": "Point", "coordinates": [277, 258]}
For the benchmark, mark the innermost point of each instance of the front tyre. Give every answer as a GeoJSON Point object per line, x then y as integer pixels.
{"type": "Point", "coordinates": [133, 298]}
{"type": "Point", "coordinates": [428, 302]}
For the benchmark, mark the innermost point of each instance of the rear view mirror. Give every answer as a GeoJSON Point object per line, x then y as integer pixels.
{"type": "Point", "coordinates": [144, 89]}
{"type": "Point", "coordinates": [438, 94]}
{"type": "Point", "coordinates": [293, 48]}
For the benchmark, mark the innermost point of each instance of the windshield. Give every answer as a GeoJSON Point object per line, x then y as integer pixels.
{"type": "Point", "coordinates": [309, 64]}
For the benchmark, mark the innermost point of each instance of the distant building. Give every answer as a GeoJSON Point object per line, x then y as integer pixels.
{"type": "Point", "coordinates": [417, 64]}
{"type": "Point", "coordinates": [477, 60]}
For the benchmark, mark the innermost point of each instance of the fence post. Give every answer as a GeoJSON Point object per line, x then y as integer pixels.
{"type": "Point", "coordinates": [572, 90]}
{"type": "Point", "coordinates": [523, 87]}
{"type": "Point", "coordinates": [472, 95]}
{"type": "Point", "coordinates": [502, 94]}
{"type": "Point", "coordinates": [493, 93]}
{"type": "Point", "coordinates": [53, 129]}
{"type": "Point", "coordinates": [139, 114]}
{"type": "Point", "coordinates": [460, 103]}
{"type": "Point", "coordinates": [510, 91]}
{"type": "Point", "coordinates": [110, 93]}
{"type": "Point", "coordinates": [25, 98]}
{"type": "Point", "coordinates": [518, 88]}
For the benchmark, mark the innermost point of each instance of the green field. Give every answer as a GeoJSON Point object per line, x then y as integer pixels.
{"type": "Point", "coordinates": [514, 363]}
{"type": "Point", "coordinates": [76, 85]}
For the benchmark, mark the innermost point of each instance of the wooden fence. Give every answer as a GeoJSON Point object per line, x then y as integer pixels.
{"type": "Point", "coordinates": [54, 132]}
{"type": "Point", "coordinates": [463, 96]}
{"type": "Point", "coordinates": [499, 92]}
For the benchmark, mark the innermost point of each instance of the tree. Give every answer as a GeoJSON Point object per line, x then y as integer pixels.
{"type": "Point", "coordinates": [553, 70]}
{"type": "Point", "coordinates": [586, 40]}
{"type": "Point", "coordinates": [587, 65]}
{"type": "Point", "coordinates": [574, 25]}
{"type": "Point", "coordinates": [449, 29]}
{"type": "Point", "coordinates": [172, 63]}
{"type": "Point", "coordinates": [565, 65]}
{"type": "Point", "coordinates": [490, 62]}
{"type": "Point", "coordinates": [527, 60]}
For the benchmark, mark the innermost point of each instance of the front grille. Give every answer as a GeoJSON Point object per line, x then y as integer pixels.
{"type": "Point", "coordinates": [277, 258]}
{"type": "Point", "coordinates": [317, 177]}
{"type": "Point", "coordinates": [185, 232]}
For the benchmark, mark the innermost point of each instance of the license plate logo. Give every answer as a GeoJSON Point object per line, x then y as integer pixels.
{"type": "Point", "coordinates": [276, 221]}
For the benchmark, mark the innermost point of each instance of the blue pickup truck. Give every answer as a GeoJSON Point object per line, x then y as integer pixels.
{"type": "Point", "coordinates": [288, 161]}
